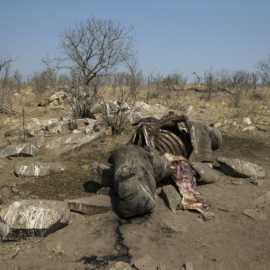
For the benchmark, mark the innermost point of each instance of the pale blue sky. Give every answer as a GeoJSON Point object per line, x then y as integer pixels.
{"type": "Point", "coordinates": [171, 36]}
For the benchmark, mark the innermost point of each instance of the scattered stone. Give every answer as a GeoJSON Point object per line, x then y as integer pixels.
{"type": "Point", "coordinates": [55, 128]}
{"type": "Point", "coordinates": [148, 263]}
{"type": "Point", "coordinates": [247, 121]}
{"type": "Point", "coordinates": [92, 205]}
{"type": "Point", "coordinates": [74, 125]}
{"type": "Point", "coordinates": [188, 266]}
{"type": "Point", "coordinates": [255, 214]}
{"type": "Point", "coordinates": [71, 142]}
{"type": "Point", "coordinates": [206, 173]}
{"type": "Point", "coordinates": [189, 109]}
{"type": "Point", "coordinates": [57, 98]}
{"type": "Point", "coordinates": [121, 266]}
{"type": "Point", "coordinates": [37, 168]}
{"type": "Point", "coordinates": [263, 200]}
{"type": "Point", "coordinates": [20, 149]}
{"type": "Point", "coordinates": [142, 110]}
{"type": "Point", "coordinates": [15, 135]}
{"type": "Point", "coordinates": [101, 176]}
{"type": "Point", "coordinates": [38, 126]}
{"type": "Point", "coordinates": [86, 123]}
{"type": "Point", "coordinates": [240, 168]}
{"type": "Point", "coordinates": [172, 197]}
{"type": "Point", "coordinates": [217, 125]}
{"type": "Point", "coordinates": [249, 128]}
{"type": "Point", "coordinates": [29, 218]}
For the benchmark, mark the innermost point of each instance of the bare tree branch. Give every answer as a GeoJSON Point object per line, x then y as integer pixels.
{"type": "Point", "coordinates": [96, 46]}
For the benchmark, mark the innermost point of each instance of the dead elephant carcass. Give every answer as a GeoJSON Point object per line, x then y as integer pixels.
{"type": "Point", "coordinates": [169, 143]}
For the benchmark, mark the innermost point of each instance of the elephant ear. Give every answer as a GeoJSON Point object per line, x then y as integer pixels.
{"type": "Point", "coordinates": [216, 138]}
{"type": "Point", "coordinates": [201, 142]}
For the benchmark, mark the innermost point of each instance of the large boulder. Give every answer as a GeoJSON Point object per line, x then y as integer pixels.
{"type": "Point", "coordinates": [17, 134]}
{"type": "Point", "coordinates": [19, 149]}
{"type": "Point", "coordinates": [142, 110]}
{"type": "Point", "coordinates": [73, 141]}
{"type": "Point", "coordinates": [206, 173]}
{"type": "Point", "coordinates": [37, 126]}
{"type": "Point", "coordinates": [239, 168]}
{"type": "Point", "coordinates": [37, 168]}
{"type": "Point", "coordinates": [28, 218]}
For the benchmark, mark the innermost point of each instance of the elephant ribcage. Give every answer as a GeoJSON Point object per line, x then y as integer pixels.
{"type": "Point", "coordinates": [164, 141]}
{"type": "Point", "coordinates": [168, 142]}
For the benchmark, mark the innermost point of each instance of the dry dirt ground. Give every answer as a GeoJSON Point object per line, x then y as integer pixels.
{"type": "Point", "coordinates": [231, 240]}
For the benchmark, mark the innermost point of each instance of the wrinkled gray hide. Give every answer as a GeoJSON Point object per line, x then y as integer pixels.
{"type": "Point", "coordinates": [204, 141]}
{"type": "Point", "coordinates": [134, 183]}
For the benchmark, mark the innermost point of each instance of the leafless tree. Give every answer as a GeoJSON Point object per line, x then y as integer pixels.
{"type": "Point", "coordinates": [96, 46]}
{"type": "Point", "coordinates": [264, 71]}
{"type": "Point", "coordinates": [116, 113]}
{"type": "Point", "coordinates": [93, 49]}
{"type": "Point", "coordinates": [45, 81]}
{"type": "Point", "coordinates": [209, 83]}
{"type": "Point", "coordinates": [197, 78]}
{"type": "Point", "coordinates": [4, 64]}
{"type": "Point", "coordinates": [241, 82]}
{"type": "Point", "coordinates": [5, 98]}
{"type": "Point", "coordinates": [18, 79]}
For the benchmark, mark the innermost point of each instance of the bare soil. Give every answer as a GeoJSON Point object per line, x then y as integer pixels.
{"type": "Point", "coordinates": [231, 240]}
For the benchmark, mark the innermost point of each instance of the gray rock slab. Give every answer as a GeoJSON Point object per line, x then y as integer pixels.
{"type": "Point", "coordinates": [28, 218]}
{"type": "Point", "coordinates": [92, 205]}
{"type": "Point", "coordinates": [101, 174]}
{"type": "Point", "coordinates": [240, 168]}
{"type": "Point", "coordinates": [37, 168]}
{"type": "Point", "coordinates": [171, 197]}
{"type": "Point", "coordinates": [142, 110]}
{"type": "Point", "coordinates": [206, 173]}
{"type": "Point", "coordinates": [67, 143]}
{"type": "Point", "coordinates": [20, 149]}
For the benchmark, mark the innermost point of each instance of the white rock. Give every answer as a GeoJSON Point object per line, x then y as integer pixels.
{"type": "Point", "coordinates": [37, 168]}
{"type": "Point", "coordinates": [189, 109]}
{"type": "Point", "coordinates": [32, 218]}
{"type": "Point", "coordinates": [247, 121]}
{"type": "Point", "coordinates": [217, 125]}
{"type": "Point", "coordinates": [249, 128]}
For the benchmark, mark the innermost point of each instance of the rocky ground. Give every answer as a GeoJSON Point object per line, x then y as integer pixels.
{"type": "Point", "coordinates": [237, 238]}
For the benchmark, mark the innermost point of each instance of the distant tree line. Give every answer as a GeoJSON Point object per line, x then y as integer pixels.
{"type": "Point", "coordinates": [98, 53]}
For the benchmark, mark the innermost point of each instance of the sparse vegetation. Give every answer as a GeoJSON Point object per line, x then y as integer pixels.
{"type": "Point", "coordinates": [86, 101]}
